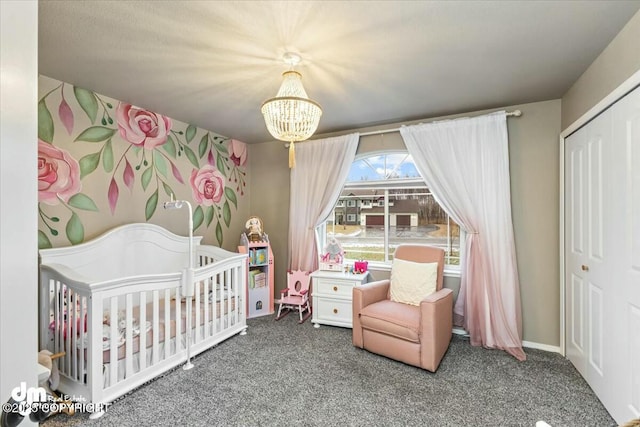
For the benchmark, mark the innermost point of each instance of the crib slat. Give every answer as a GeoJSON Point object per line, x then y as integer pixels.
{"type": "Point", "coordinates": [205, 305]}
{"type": "Point", "coordinates": [156, 328]}
{"type": "Point", "coordinates": [70, 329]}
{"type": "Point", "coordinates": [214, 303]}
{"type": "Point", "coordinates": [236, 289]}
{"type": "Point", "coordinates": [196, 307]}
{"type": "Point", "coordinates": [113, 342]}
{"type": "Point", "coordinates": [78, 328]}
{"type": "Point", "coordinates": [143, 330]}
{"type": "Point", "coordinates": [167, 324]}
{"type": "Point", "coordinates": [229, 286]}
{"type": "Point", "coordinates": [58, 324]}
{"type": "Point", "coordinates": [178, 303]}
{"type": "Point", "coordinates": [129, 336]}
{"type": "Point", "coordinates": [83, 315]}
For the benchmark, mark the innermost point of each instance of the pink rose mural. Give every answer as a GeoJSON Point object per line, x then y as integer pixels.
{"type": "Point", "coordinates": [142, 128]}
{"type": "Point", "coordinates": [207, 185]}
{"type": "Point", "coordinates": [127, 154]}
{"type": "Point", "coordinates": [58, 174]}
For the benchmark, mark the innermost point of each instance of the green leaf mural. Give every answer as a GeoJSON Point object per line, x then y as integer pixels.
{"type": "Point", "coordinates": [146, 177]}
{"type": "Point", "coordinates": [231, 196]}
{"type": "Point", "coordinates": [107, 156]}
{"type": "Point", "coordinates": [170, 147]}
{"type": "Point", "coordinates": [152, 204]}
{"type": "Point", "coordinates": [161, 164]}
{"type": "Point", "coordinates": [95, 134]}
{"type": "Point", "coordinates": [208, 216]}
{"type": "Point", "coordinates": [43, 241]}
{"type": "Point", "coordinates": [45, 123]}
{"type": "Point", "coordinates": [226, 213]}
{"type": "Point", "coordinates": [198, 217]}
{"type": "Point", "coordinates": [203, 146]}
{"type": "Point", "coordinates": [89, 163]}
{"type": "Point", "coordinates": [220, 164]}
{"type": "Point", "coordinates": [75, 229]}
{"type": "Point", "coordinates": [87, 101]}
{"type": "Point", "coordinates": [190, 133]}
{"type": "Point", "coordinates": [82, 201]}
{"type": "Point", "coordinates": [191, 156]}
{"type": "Point", "coordinates": [219, 234]}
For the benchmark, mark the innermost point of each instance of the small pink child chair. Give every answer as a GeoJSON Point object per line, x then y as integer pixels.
{"type": "Point", "coordinates": [296, 296]}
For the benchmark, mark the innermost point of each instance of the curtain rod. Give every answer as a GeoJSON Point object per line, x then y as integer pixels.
{"type": "Point", "coordinates": [515, 113]}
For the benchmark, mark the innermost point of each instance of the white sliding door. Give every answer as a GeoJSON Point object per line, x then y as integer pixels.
{"type": "Point", "coordinates": [602, 255]}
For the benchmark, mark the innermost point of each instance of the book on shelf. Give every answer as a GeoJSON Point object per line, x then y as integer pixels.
{"type": "Point", "coordinates": [257, 279]}
{"type": "Point", "coordinates": [261, 256]}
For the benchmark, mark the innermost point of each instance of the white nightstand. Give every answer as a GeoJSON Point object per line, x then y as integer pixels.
{"type": "Point", "coordinates": [331, 294]}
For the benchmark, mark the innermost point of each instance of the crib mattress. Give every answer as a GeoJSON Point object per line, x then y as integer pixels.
{"type": "Point", "coordinates": [122, 348]}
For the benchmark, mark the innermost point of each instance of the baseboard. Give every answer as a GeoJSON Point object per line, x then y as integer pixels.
{"type": "Point", "coordinates": [528, 344]}
{"type": "Point", "coordinates": [544, 347]}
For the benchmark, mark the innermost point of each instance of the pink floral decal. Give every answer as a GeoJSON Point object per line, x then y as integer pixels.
{"type": "Point", "coordinates": [207, 185]}
{"type": "Point", "coordinates": [142, 128]}
{"type": "Point", "coordinates": [58, 174]}
{"type": "Point", "coordinates": [238, 152]}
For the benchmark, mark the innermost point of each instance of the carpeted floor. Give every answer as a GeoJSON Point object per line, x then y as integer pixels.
{"type": "Point", "coordinates": [282, 373]}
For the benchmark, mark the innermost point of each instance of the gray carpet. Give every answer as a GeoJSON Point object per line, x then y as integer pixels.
{"type": "Point", "coordinates": [282, 373]}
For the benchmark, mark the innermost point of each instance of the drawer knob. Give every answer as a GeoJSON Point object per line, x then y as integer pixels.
{"type": "Point", "coordinates": [335, 289]}
{"type": "Point", "coordinates": [335, 311]}
{"type": "Point", "coordinates": [585, 268]}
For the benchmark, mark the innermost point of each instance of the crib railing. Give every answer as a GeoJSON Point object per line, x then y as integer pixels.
{"type": "Point", "coordinates": [118, 334]}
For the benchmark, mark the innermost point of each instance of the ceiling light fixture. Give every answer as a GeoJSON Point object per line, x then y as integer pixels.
{"type": "Point", "coordinates": [291, 116]}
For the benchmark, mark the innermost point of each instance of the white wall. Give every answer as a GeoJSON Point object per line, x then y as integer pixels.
{"type": "Point", "coordinates": [18, 195]}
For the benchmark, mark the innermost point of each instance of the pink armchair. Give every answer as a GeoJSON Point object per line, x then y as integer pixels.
{"type": "Point", "coordinates": [416, 335]}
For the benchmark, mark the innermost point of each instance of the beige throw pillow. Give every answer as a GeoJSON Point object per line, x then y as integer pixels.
{"type": "Point", "coordinates": [411, 281]}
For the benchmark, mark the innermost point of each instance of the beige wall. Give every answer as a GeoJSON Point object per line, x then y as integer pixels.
{"type": "Point", "coordinates": [616, 63]}
{"type": "Point", "coordinates": [534, 191]}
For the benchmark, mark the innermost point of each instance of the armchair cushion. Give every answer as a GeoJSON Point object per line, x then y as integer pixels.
{"type": "Point", "coordinates": [412, 281]}
{"type": "Point", "coordinates": [392, 318]}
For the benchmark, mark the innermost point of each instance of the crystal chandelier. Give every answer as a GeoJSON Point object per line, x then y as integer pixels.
{"type": "Point", "coordinates": [291, 116]}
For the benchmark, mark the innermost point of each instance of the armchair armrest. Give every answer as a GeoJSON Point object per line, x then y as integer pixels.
{"type": "Point", "coordinates": [363, 296]}
{"type": "Point", "coordinates": [369, 293]}
{"type": "Point", "coordinates": [436, 322]}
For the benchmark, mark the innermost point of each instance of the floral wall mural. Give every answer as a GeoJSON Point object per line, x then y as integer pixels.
{"type": "Point", "coordinates": [102, 163]}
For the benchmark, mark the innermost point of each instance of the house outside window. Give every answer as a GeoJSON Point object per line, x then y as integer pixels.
{"type": "Point", "coordinates": [388, 204]}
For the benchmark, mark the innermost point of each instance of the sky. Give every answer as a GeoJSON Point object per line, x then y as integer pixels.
{"type": "Point", "coordinates": [378, 167]}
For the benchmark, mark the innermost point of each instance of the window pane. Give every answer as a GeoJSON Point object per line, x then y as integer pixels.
{"type": "Point", "coordinates": [413, 216]}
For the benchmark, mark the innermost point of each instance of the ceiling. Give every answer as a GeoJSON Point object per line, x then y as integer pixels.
{"type": "Point", "coordinates": [213, 63]}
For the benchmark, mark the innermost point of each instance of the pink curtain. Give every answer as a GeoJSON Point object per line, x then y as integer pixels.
{"type": "Point", "coordinates": [465, 163]}
{"type": "Point", "coordinates": [322, 167]}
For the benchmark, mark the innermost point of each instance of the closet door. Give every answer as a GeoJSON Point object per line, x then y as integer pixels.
{"type": "Point", "coordinates": [626, 132]}
{"type": "Point", "coordinates": [588, 248]}
{"type": "Point", "coordinates": [602, 255]}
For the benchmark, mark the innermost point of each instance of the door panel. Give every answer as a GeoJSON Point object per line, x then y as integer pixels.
{"type": "Point", "coordinates": [627, 131]}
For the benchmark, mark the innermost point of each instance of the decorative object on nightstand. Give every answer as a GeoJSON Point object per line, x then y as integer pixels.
{"type": "Point", "coordinates": [260, 274]}
{"type": "Point", "coordinates": [332, 257]}
{"type": "Point", "coordinates": [332, 297]}
{"type": "Point", "coordinates": [296, 296]}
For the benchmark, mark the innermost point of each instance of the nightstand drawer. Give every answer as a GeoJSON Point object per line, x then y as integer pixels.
{"type": "Point", "coordinates": [331, 310]}
{"type": "Point", "coordinates": [326, 287]}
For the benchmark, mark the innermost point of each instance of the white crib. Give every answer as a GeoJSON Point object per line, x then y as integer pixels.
{"type": "Point", "coordinates": [115, 305]}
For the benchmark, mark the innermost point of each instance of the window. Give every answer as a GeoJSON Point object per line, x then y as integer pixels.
{"type": "Point", "coordinates": [395, 207]}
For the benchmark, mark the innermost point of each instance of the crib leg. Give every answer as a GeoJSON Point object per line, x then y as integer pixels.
{"type": "Point", "coordinates": [243, 332]}
{"type": "Point", "coordinates": [97, 414]}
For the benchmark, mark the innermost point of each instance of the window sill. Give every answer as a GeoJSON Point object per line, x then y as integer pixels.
{"type": "Point", "coordinates": [448, 271]}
